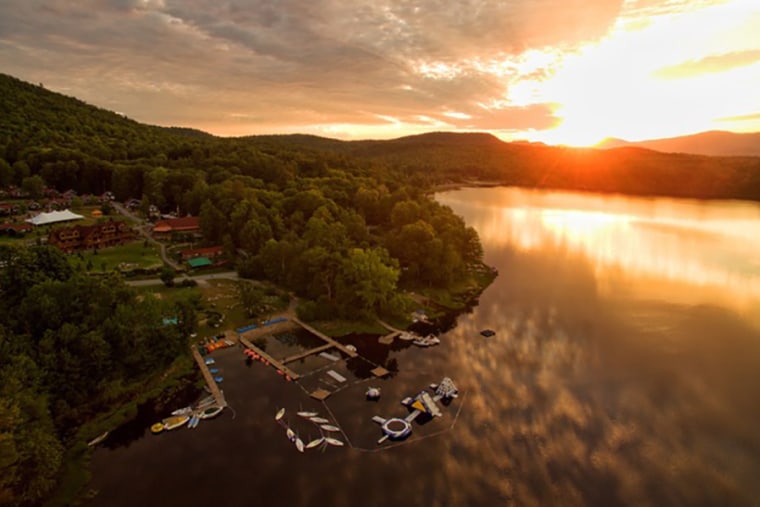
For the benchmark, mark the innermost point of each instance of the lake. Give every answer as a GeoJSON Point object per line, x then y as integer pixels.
{"type": "Point", "coordinates": [625, 370]}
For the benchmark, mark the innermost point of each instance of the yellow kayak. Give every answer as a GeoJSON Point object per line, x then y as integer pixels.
{"type": "Point", "coordinates": [157, 428]}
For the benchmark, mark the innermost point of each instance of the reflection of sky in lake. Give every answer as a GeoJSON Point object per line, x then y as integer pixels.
{"type": "Point", "coordinates": [624, 371]}
{"type": "Point", "coordinates": [708, 250]}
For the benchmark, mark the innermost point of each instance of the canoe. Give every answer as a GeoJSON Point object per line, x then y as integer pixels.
{"type": "Point", "coordinates": [98, 439]}
{"type": "Point", "coordinates": [307, 415]}
{"type": "Point", "coordinates": [315, 442]}
{"type": "Point", "coordinates": [157, 428]}
{"type": "Point", "coordinates": [171, 423]}
{"type": "Point", "coordinates": [299, 444]}
{"type": "Point", "coordinates": [279, 414]}
{"type": "Point", "coordinates": [210, 412]}
{"type": "Point", "coordinates": [318, 420]}
{"type": "Point", "coordinates": [334, 441]}
{"type": "Point", "coordinates": [329, 427]}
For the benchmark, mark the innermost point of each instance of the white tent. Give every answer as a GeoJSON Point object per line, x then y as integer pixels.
{"type": "Point", "coordinates": [53, 217]}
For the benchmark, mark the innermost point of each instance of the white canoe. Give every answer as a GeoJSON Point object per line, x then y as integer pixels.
{"type": "Point", "coordinates": [318, 420]}
{"type": "Point", "coordinates": [299, 444]}
{"type": "Point", "coordinates": [329, 427]}
{"type": "Point", "coordinates": [334, 441]}
{"type": "Point", "coordinates": [315, 442]}
{"type": "Point", "coordinates": [279, 414]}
{"type": "Point", "coordinates": [307, 415]}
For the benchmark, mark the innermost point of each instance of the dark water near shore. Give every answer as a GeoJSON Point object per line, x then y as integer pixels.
{"type": "Point", "coordinates": [625, 371]}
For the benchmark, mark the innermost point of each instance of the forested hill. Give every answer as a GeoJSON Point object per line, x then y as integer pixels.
{"type": "Point", "coordinates": [440, 158]}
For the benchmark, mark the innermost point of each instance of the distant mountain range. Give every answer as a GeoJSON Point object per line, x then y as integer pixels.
{"type": "Point", "coordinates": [714, 143]}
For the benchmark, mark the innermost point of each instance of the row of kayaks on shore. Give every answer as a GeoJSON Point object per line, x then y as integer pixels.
{"type": "Point", "coordinates": [191, 419]}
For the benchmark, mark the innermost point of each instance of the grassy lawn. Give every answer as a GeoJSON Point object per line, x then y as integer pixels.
{"type": "Point", "coordinates": [171, 294]}
{"type": "Point", "coordinates": [133, 254]}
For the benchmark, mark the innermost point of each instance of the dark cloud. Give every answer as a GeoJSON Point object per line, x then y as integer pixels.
{"type": "Point", "coordinates": [282, 62]}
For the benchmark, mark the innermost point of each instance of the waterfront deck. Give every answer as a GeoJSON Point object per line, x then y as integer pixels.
{"type": "Point", "coordinates": [212, 385]}
{"type": "Point", "coordinates": [337, 345]}
{"type": "Point", "coordinates": [280, 365]}
{"type": "Point", "coordinates": [310, 352]}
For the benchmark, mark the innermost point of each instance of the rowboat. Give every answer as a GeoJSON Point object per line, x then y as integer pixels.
{"type": "Point", "coordinates": [307, 415]}
{"type": "Point", "coordinates": [318, 420]}
{"type": "Point", "coordinates": [279, 414]}
{"type": "Point", "coordinates": [329, 427]}
{"type": "Point", "coordinates": [171, 423]}
{"type": "Point", "coordinates": [299, 444]}
{"type": "Point", "coordinates": [210, 412]}
{"type": "Point", "coordinates": [315, 442]}
{"type": "Point", "coordinates": [334, 441]}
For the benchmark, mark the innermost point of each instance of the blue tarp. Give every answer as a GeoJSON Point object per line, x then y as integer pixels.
{"type": "Point", "coordinates": [274, 321]}
{"type": "Point", "coordinates": [245, 329]}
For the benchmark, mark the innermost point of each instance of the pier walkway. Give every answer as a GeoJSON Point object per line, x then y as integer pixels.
{"type": "Point", "coordinates": [276, 363]}
{"type": "Point", "coordinates": [315, 350]}
{"type": "Point", "coordinates": [337, 345]}
{"type": "Point", "coordinates": [212, 385]}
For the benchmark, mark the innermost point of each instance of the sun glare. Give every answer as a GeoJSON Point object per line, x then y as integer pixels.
{"type": "Point", "coordinates": [670, 74]}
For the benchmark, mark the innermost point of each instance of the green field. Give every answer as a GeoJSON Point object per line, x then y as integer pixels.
{"type": "Point", "coordinates": [132, 255]}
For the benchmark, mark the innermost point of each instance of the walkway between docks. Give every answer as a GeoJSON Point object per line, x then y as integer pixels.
{"type": "Point", "coordinates": [212, 385]}
{"type": "Point", "coordinates": [337, 345]}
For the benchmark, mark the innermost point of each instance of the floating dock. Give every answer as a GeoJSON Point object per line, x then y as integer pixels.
{"type": "Point", "coordinates": [337, 345]}
{"type": "Point", "coordinates": [212, 385]}
{"type": "Point", "coordinates": [277, 364]}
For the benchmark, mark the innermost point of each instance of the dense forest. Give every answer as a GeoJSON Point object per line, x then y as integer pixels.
{"type": "Point", "coordinates": [71, 346]}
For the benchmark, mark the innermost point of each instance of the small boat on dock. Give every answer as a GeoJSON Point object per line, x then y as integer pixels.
{"type": "Point", "coordinates": [175, 422]}
{"type": "Point", "coordinates": [307, 415]}
{"type": "Point", "coordinates": [329, 427]}
{"type": "Point", "coordinates": [315, 442]}
{"type": "Point", "coordinates": [334, 441]}
{"type": "Point", "coordinates": [211, 412]}
{"type": "Point", "coordinates": [319, 420]}
{"type": "Point", "coordinates": [279, 414]}
{"type": "Point", "coordinates": [98, 439]}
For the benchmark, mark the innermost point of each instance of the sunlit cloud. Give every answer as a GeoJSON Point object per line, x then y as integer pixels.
{"type": "Point", "coordinates": [560, 71]}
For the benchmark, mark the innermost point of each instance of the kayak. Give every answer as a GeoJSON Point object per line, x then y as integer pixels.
{"type": "Point", "coordinates": [315, 443]}
{"type": "Point", "coordinates": [334, 441]}
{"type": "Point", "coordinates": [307, 415]}
{"type": "Point", "coordinates": [318, 420]}
{"type": "Point", "coordinates": [279, 414]}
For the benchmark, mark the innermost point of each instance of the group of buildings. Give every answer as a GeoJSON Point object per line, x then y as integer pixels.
{"type": "Point", "coordinates": [108, 233]}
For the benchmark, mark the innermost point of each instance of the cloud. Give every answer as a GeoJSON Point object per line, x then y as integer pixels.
{"type": "Point", "coordinates": [710, 64]}
{"type": "Point", "coordinates": [242, 66]}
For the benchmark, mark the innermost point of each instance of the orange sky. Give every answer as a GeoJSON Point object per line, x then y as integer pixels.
{"type": "Point", "coordinates": [558, 71]}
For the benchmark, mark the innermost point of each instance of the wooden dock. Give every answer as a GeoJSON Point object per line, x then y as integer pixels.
{"type": "Point", "coordinates": [308, 353]}
{"type": "Point", "coordinates": [337, 345]}
{"type": "Point", "coordinates": [212, 385]}
{"type": "Point", "coordinates": [276, 363]}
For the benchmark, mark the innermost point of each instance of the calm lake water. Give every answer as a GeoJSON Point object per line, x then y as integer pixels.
{"type": "Point", "coordinates": [625, 371]}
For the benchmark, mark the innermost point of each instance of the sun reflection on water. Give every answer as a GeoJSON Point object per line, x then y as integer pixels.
{"type": "Point", "coordinates": [693, 247]}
